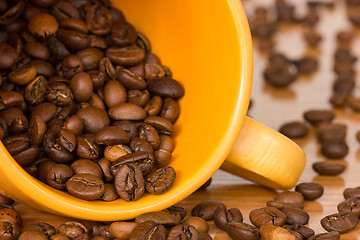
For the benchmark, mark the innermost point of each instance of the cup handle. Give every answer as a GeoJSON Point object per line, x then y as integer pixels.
{"type": "Point", "coordinates": [265, 156]}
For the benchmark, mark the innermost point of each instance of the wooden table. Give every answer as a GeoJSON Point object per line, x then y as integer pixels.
{"type": "Point", "coordinates": [273, 107]}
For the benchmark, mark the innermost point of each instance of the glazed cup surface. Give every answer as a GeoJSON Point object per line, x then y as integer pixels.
{"type": "Point", "coordinates": [207, 46]}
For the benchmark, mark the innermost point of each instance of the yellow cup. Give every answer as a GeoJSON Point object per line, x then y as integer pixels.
{"type": "Point", "coordinates": [207, 45]}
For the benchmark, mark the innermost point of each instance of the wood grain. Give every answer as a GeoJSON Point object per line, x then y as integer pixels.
{"type": "Point", "coordinates": [273, 107]}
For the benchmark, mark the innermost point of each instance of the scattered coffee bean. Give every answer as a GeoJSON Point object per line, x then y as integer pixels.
{"type": "Point", "coordinates": [340, 222]}
{"type": "Point", "coordinates": [206, 209]}
{"type": "Point", "coordinates": [310, 190]}
{"type": "Point", "coordinates": [294, 129]}
{"type": "Point", "coordinates": [328, 169]}
{"type": "Point", "coordinates": [267, 215]}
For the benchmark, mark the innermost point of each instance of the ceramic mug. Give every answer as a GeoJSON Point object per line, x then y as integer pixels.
{"type": "Point", "coordinates": [207, 45]}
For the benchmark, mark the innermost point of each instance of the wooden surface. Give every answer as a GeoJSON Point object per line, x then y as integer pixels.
{"type": "Point", "coordinates": [273, 107]}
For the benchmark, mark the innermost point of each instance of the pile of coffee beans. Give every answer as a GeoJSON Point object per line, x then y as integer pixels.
{"type": "Point", "coordinates": [85, 106]}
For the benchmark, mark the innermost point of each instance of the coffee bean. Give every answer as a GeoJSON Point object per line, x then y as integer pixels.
{"type": "Point", "coordinates": [127, 111]}
{"type": "Point", "coordinates": [114, 93]}
{"type": "Point", "coordinates": [86, 147]}
{"type": "Point", "coordinates": [112, 135]}
{"type": "Point", "coordinates": [310, 190]}
{"type": "Point", "coordinates": [58, 175]}
{"type": "Point", "coordinates": [109, 193]}
{"type": "Point", "coordinates": [161, 124]}
{"type": "Point", "coordinates": [85, 186]}
{"type": "Point", "coordinates": [138, 97]}
{"type": "Point", "coordinates": [328, 169]}
{"type": "Point", "coordinates": [176, 210]}
{"type": "Point", "coordinates": [37, 50]}
{"type": "Point", "coordinates": [71, 65]}
{"type": "Point", "coordinates": [107, 68]}
{"type": "Point", "coordinates": [333, 235]}
{"type": "Point", "coordinates": [10, 215]}
{"type": "Point", "coordinates": [129, 79]}
{"type": "Point", "coordinates": [334, 149]}
{"type": "Point", "coordinates": [280, 76]}
{"type": "Point", "coordinates": [90, 57]}
{"type": "Point", "coordinates": [73, 40]}
{"type": "Point", "coordinates": [149, 133]}
{"type": "Point", "coordinates": [74, 124]}
{"type": "Point", "coordinates": [315, 117]}
{"type": "Point", "coordinates": [97, 27]}
{"type": "Point", "coordinates": [160, 180]}
{"type": "Point", "coordinates": [32, 234]}
{"type": "Point", "coordinates": [170, 110]}
{"type": "Point", "coordinates": [93, 119]}
{"type": "Point", "coordinates": [46, 228]}
{"type": "Point", "coordinates": [129, 182]}
{"type": "Point", "coordinates": [290, 197]}
{"type": "Point", "coordinates": [304, 231]}
{"type": "Point", "coordinates": [351, 192]}
{"type": "Point", "coordinates": [242, 231]}
{"type": "Point", "coordinates": [54, 150]}
{"type": "Point", "coordinates": [153, 71]}
{"type": "Point", "coordinates": [105, 167]}
{"type": "Point", "coordinates": [85, 166]}
{"type": "Point", "coordinates": [44, 110]}
{"type": "Point", "coordinates": [122, 229]}
{"type": "Point", "coordinates": [350, 205]}
{"type": "Point", "coordinates": [166, 87]}
{"type": "Point", "coordinates": [67, 140]}
{"type": "Point", "coordinates": [59, 93]}
{"type": "Point", "coordinates": [125, 56]}
{"type": "Point", "coordinates": [64, 9]}
{"type": "Point", "coordinates": [8, 55]}
{"type": "Point", "coordinates": [294, 129]}
{"type": "Point", "coordinates": [123, 34]}
{"type": "Point", "coordinates": [101, 229]}
{"type": "Point", "coordinates": [200, 224]}
{"type": "Point", "coordinates": [72, 229]}
{"type": "Point", "coordinates": [23, 75]}
{"type": "Point", "coordinates": [295, 215]}
{"type": "Point", "coordinates": [267, 215]}
{"type": "Point", "coordinates": [159, 217]}
{"type": "Point", "coordinates": [149, 230]}
{"type": "Point", "coordinates": [331, 131]}
{"type": "Point", "coordinates": [9, 231]}
{"type": "Point", "coordinates": [114, 152]}
{"type": "Point", "coordinates": [183, 232]}
{"type": "Point", "coordinates": [44, 168]}
{"type": "Point", "coordinates": [222, 217]}
{"type": "Point", "coordinates": [35, 90]}
{"type": "Point", "coordinates": [206, 209]}
{"type": "Point", "coordinates": [271, 232]}
{"type": "Point", "coordinates": [145, 162]}
{"type": "Point", "coordinates": [138, 144]}
{"type": "Point", "coordinates": [340, 222]}
{"type": "Point", "coordinates": [154, 107]}
{"type": "Point", "coordinates": [59, 237]}
{"type": "Point", "coordinates": [11, 98]}
{"type": "Point", "coordinates": [306, 65]}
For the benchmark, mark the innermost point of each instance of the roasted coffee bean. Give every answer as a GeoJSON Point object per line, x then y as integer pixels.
{"type": "Point", "coordinates": [183, 232]}
{"type": "Point", "coordinates": [176, 210]}
{"type": "Point", "coordinates": [223, 216]}
{"type": "Point", "coordinates": [200, 224]}
{"type": "Point", "coordinates": [123, 34]}
{"type": "Point", "coordinates": [334, 149]}
{"type": "Point", "coordinates": [149, 133]}
{"type": "Point", "coordinates": [74, 24]}
{"type": "Point", "coordinates": [206, 209]}
{"type": "Point", "coordinates": [280, 76]}
{"type": "Point", "coordinates": [23, 75]}
{"type": "Point", "coordinates": [37, 50]}
{"type": "Point", "coordinates": [44, 110]}
{"type": "Point", "coordinates": [55, 124]}
{"type": "Point", "coordinates": [333, 235]}
{"type": "Point", "coordinates": [67, 140]}
{"type": "Point", "coordinates": [35, 91]}
{"type": "Point", "coordinates": [32, 234]}
{"type": "Point", "coordinates": [350, 205]}
{"type": "Point", "coordinates": [154, 107]}
{"type": "Point", "coordinates": [105, 167]}
{"type": "Point", "coordinates": [101, 229]}
{"type": "Point", "coordinates": [129, 79]}
{"type": "Point", "coordinates": [60, 94]}
{"type": "Point", "coordinates": [43, 67]}
{"type": "Point", "coordinates": [58, 175]}
{"type": "Point", "coordinates": [107, 68]}
{"type": "Point", "coordinates": [138, 144]}
{"type": "Point", "coordinates": [161, 124]}
{"type": "Point", "coordinates": [72, 229]}
{"type": "Point", "coordinates": [59, 236]}
{"type": "Point", "coordinates": [153, 71]}
{"type": "Point", "coordinates": [340, 222]}
{"type": "Point", "coordinates": [96, 26]}
{"type": "Point", "coordinates": [144, 160]}
{"type": "Point", "coordinates": [12, 98]}
{"type": "Point", "coordinates": [295, 215]}
{"type": "Point", "coordinates": [43, 25]}
{"type": "Point", "coordinates": [159, 217]}
{"type": "Point", "coordinates": [18, 125]}
{"type": "Point", "coordinates": [160, 180]}
{"type": "Point", "coordinates": [242, 231]}
{"type": "Point", "coordinates": [122, 230]}
{"type": "Point", "coordinates": [271, 232]}
{"type": "Point", "coordinates": [98, 42]}
{"type": "Point", "coordinates": [74, 124]}
{"type": "Point", "coordinates": [304, 231]}
{"type": "Point", "coordinates": [57, 48]}
{"type": "Point", "coordinates": [54, 150]}
{"type": "Point", "coordinates": [125, 56]}
{"type": "Point", "coordinates": [112, 135]}
{"type": "Point", "coordinates": [127, 111]}
{"type": "Point", "coordinates": [290, 197]}
{"type": "Point", "coordinates": [351, 192]}
{"type": "Point", "coordinates": [170, 109]}
{"type": "Point", "coordinates": [85, 186]}
{"type": "Point", "coordinates": [315, 117]}
{"type": "Point", "coordinates": [10, 215]}
{"type": "Point", "coordinates": [343, 85]}
{"type": "Point", "coordinates": [312, 38]}
{"type": "Point", "coordinates": [97, 102]}
{"type": "Point", "coordinates": [109, 193]}
{"type": "Point", "coordinates": [129, 182]}
{"type": "Point", "coordinates": [306, 65]}
{"type": "Point", "coordinates": [162, 158]}
{"type": "Point", "coordinates": [73, 40]}
{"type": "Point", "coordinates": [71, 66]}
{"type": "Point", "coordinates": [81, 86]}
{"type": "Point", "coordinates": [9, 231]}
{"type": "Point", "coordinates": [294, 129]}
{"type": "Point", "coordinates": [85, 166]}
{"type": "Point", "coordinates": [331, 131]}
{"type": "Point", "coordinates": [86, 147]}
{"type": "Point", "coordinates": [16, 143]}
{"type": "Point", "coordinates": [27, 156]}
{"type": "Point", "coordinates": [90, 58]}
{"type": "Point", "coordinates": [93, 119]}
{"type": "Point", "coordinates": [46, 228]}
{"type": "Point", "coordinates": [166, 87]}
{"type": "Point", "coordinates": [114, 93]}
{"type": "Point", "coordinates": [113, 153]}
{"type": "Point", "coordinates": [328, 169]}
{"type": "Point", "coordinates": [310, 190]}
{"type": "Point", "coordinates": [44, 167]}
{"type": "Point", "coordinates": [138, 97]}
{"type": "Point", "coordinates": [267, 215]}
{"type": "Point", "coordinates": [128, 126]}
{"type": "Point", "coordinates": [148, 230]}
